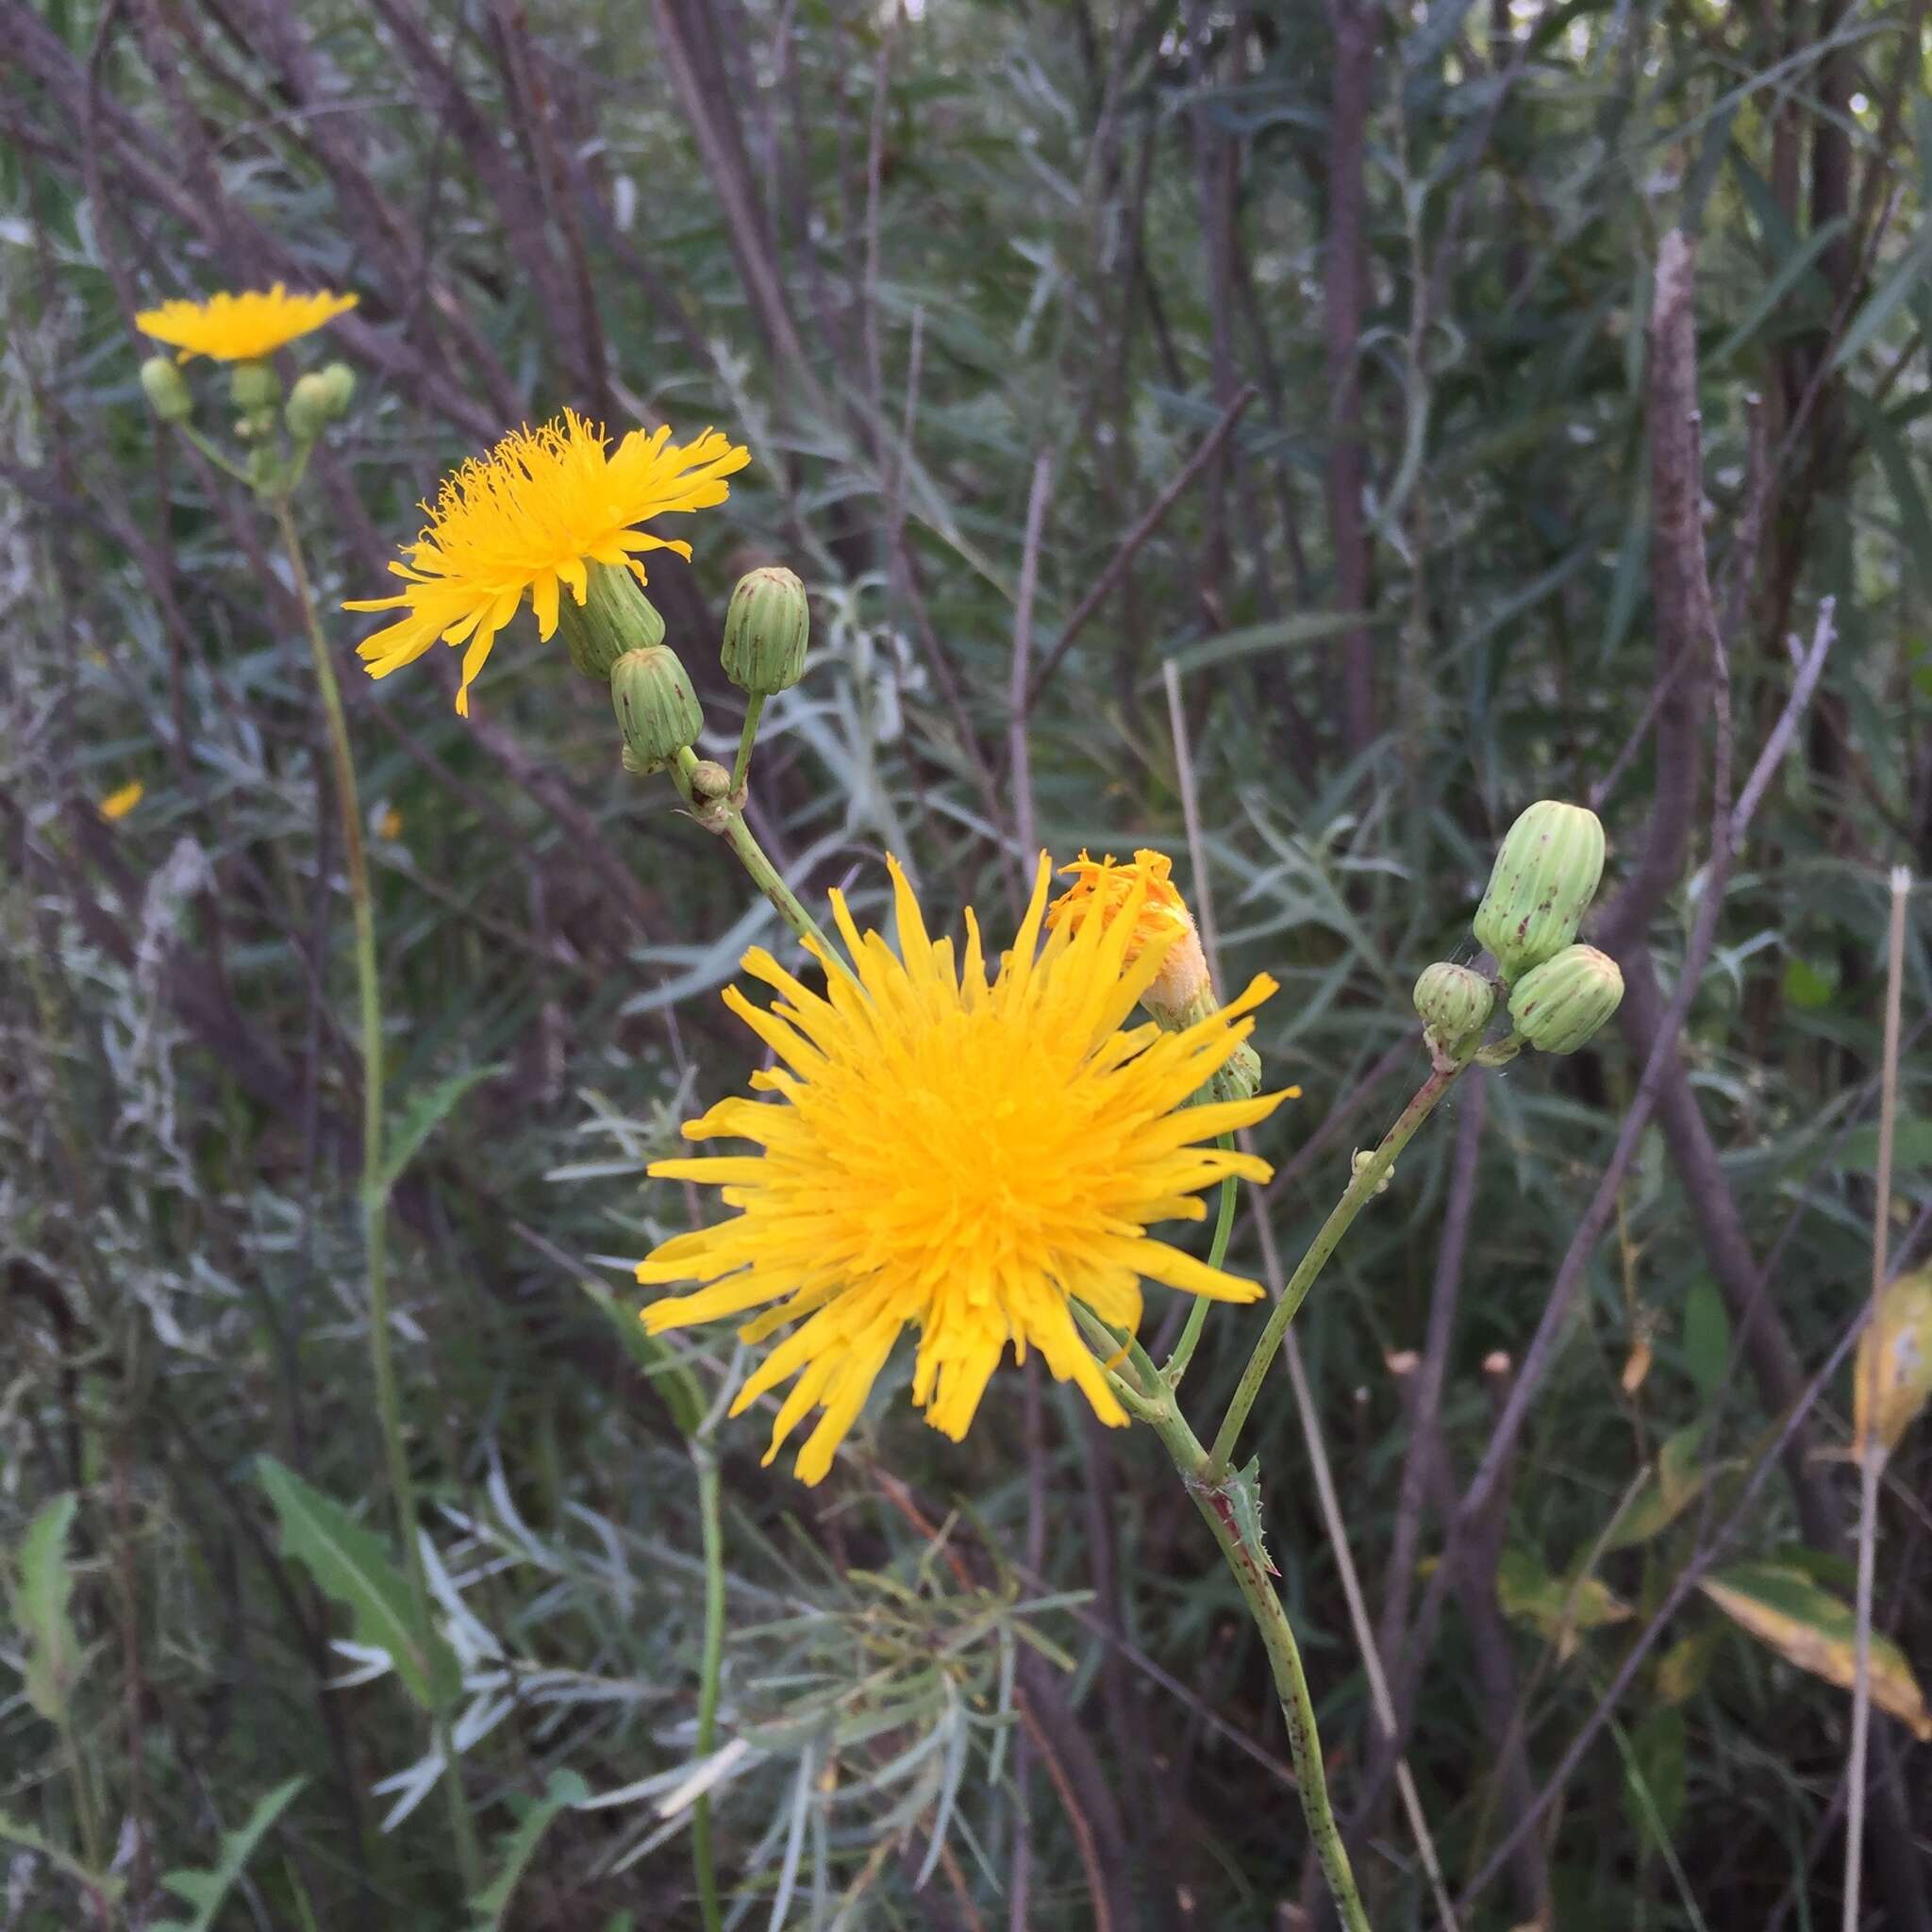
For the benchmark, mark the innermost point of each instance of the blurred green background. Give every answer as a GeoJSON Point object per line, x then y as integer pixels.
{"type": "Point", "coordinates": [1319, 339]}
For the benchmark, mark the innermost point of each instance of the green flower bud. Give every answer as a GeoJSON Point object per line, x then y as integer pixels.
{"type": "Point", "coordinates": [309, 412]}
{"type": "Point", "coordinates": [1558, 1006]}
{"type": "Point", "coordinates": [342, 387]}
{"type": "Point", "coordinates": [765, 632]}
{"type": "Point", "coordinates": [614, 617]}
{"type": "Point", "coordinates": [256, 387]}
{"type": "Point", "coordinates": [167, 395]}
{"type": "Point", "coordinates": [657, 710]}
{"type": "Point", "coordinates": [1545, 876]}
{"type": "Point", "coordinates": [1454, 1002]}
{"type": "Point", "coordinates": [1239, 1076]}
{"type": "Point", "coordinates": [318, 399]}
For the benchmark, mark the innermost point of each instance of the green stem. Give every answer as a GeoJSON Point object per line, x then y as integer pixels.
{"type": "Point", "coordinates": [1197, 1316]}
{"type": "Point", "coordinates": [741, 768]}
{"type": "Point", "coordinates": [1284, 1661]}
{"type": "Point", "coordinates": [723, 817]}
{"type": "Point", "coordinates": [374, 1197]}
{"type": "Point", "coordinates": [703, 1859]}
{"type": "Point", "coordinates": [1361, 1187]}
{"type": "Point", "coordinates": [215, 454]}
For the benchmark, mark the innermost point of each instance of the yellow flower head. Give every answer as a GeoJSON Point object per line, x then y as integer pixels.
{"type": "Point", "coordinates": [968, 1159]}
{"type": "Point", "coordinates": [1161, 921]}
{"type": "Point", "coordinates": [117, 805]}
{"type": "Point", "coordinates": [531, 517]}
{"type": "Point", "coordinates": [241, 328]}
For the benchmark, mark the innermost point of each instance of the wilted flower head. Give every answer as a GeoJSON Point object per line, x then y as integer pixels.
{"type": "Point", "coordinates": [1159, 921]}
{"type": "Point", "coordinates": [963, 1158]}
{"type": "Point", "coordinates": [243, 328]}
{"type": "Point", "coordinates": [534, 516]}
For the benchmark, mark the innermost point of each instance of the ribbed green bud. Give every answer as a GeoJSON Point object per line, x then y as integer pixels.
{"type": "Point", "coordinates": [765, 632]}
{"type": "Point", "coordinates": [1545, 876]}
{"type": "Point", "coordinates": [1558, 1006]}
{"type": "Point", "coordinates": [657, 710]}
{"type": "Point", "coordinates": [1454, 1001]}
{"type": "Point", "coordinates": [256, 387]}
{"type": "Point", "coordinates": [614, 617]}
{"type": "Point", "coordinates": [166, 393]}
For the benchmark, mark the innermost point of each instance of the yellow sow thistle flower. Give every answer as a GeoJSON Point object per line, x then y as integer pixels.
{"type": "Point", "coordinates": [531, 518]}
{"type": "Point", "coordinates": [117, 805]}
{"type": "Point", "coordinates": [963, 1158]}
{"type": "Point", "coordinates": [243, 328]}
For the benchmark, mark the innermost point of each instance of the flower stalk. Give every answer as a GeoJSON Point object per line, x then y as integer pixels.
{"type": "Point", "coordinates": [373, 1192]}
{"type": "Point", "coordinates": [1363, 1184]}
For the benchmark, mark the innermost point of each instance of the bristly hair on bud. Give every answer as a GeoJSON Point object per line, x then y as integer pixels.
{"type": "Point", "coordinates": [1454, 1001]}
{"type": "Point", "coordinates": [1558, 1006]}
{"type": "Point", "coordinates": [657, 710]}
{"type": "Point", "coordinates": [614, 617]}
{"type": "Point", "coordinates": [1546, 873]}
{"type": "Point", "coordinates": [766, 630]}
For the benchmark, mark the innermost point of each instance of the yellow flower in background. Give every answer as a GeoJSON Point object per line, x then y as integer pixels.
{"type": "Point", "coordinates": [529, 519]}
{"type": "Point", "coordinates": [1160, 920]}
{"type": "Point", "coordinates": [117, 805]}
{"type": "Point", "coordinates": [965, 1159]}
{"type": "Point", "coordinates": [389, 826]}
{"type": "Point", "coordinates": [243, 328]}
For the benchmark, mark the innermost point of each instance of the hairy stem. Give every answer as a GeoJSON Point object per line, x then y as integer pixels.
{"type": "Point", "coordinates": [704, 1860]}
{"type": "Point", "coordinates": [1197, 1316]}
{"type": "Point", "coordinates": [1284, 1659]}
{"type": "Point", "coordinates": [727, 820]}
{"type": "Point", "coordinates": [375, 1198]}
{"type": "Point", "coordinates": [1367, 1177]}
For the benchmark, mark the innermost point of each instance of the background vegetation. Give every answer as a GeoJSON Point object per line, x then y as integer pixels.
{"type": "Point", "coordinates": [1319, 346]}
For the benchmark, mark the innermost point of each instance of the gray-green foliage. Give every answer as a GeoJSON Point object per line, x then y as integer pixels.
{"type": "Point", "coordinates": [1010, 250]}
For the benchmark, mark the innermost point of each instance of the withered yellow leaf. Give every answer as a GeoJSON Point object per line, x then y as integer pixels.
{"type": "Point", "coordinates": [1817, 1631]}
{"type": "Point", "coordinates": [1891, 1378]}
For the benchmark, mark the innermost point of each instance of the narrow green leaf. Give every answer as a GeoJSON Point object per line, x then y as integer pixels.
{"type": "Point", "coordinates": [352, 1567]}
{"type": "Point", "coordinates": [206, 1889]}
{"type": "Point", "coordinates": [673, 1381]}
{"type": "Point", "coordinates": [492, 1905]}
{"type": "Point", "coordinates": [1707, 1339]}
{"type": "Point", "coordinates": [1287, 633]}
{"type": "Point", "coordinates": [425, 1113]}
{"type": "Point", "coordinates": [1881, 305]}
{"type": "Point", "coordinates": [1677, 1480]}
{"type": "Point", "coordinates": [41, 1608]}
{"type": "Point", "coordinates": [16, 1831]}
{"type": "Point", "coordinates": [1915, 523]}
{"type": "Point", "coordinates": [1777, 288]}
{"type": "Point", "coordinates": [1654, 1775]}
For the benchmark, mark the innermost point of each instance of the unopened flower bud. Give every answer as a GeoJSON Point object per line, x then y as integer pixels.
{"type": "Point", "coordinates": [318, 399]}
{"type": "Point", "coordinates": [711, 783]}
{"type": "Point", "coordinates": [657, 710]}
{"type": "Point", "coordinates": [255, 387]}
{"type": "Point", "coordinates": [1558, 1006]}
{"type": "Point", "coordinates": [1454, 1002]}
{"type": "Point", "coordinates": [166, 393]}
{"type": "Point", "coordinates": [615, 617]}
{"type": "Point", "coordinates": [342, 387]}
{"type": "Point", "coordinates": [309, 412]}
{"type": "Point", "coordinates": [1546, 874]}
{"type": "Point", "coordinates": [765, 632]}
